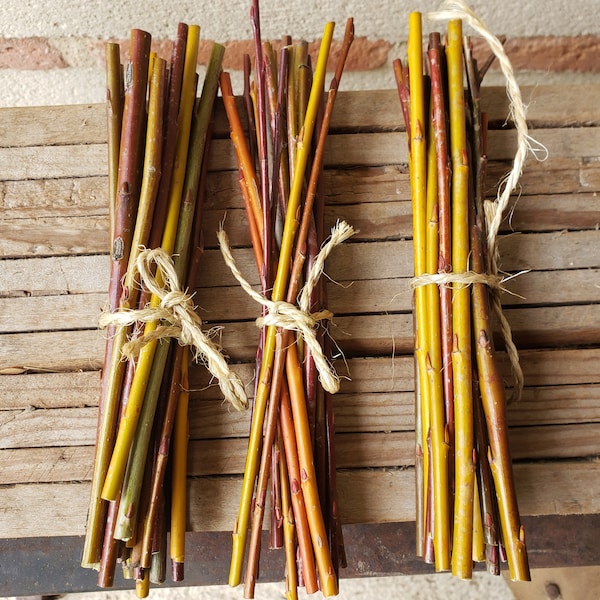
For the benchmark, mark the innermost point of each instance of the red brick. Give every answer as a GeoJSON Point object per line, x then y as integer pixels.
{"type": "Point", "coordinates": [34, 53]}
{"type": "Point", "coordinates": [364, 54]}
{"type": "Point", "coordinates": [551, 53]}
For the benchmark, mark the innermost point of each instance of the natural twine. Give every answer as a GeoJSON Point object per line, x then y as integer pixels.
{"type": "Point", "coordinates": [494, 209]}
{"type": "Point", "coordinates": [288, 316]}
{"type": "Point", "coordinates": [176, 318]}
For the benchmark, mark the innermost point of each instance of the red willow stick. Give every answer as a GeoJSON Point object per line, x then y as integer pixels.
{"type": "Point", "coordinates": [128, 187]}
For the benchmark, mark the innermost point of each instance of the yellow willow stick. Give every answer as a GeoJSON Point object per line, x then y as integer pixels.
{"type": "Point", "coordinates": [461, 316]}
{"type": "Point", "coordinates": [179, 475]}
{"type": "Point", "coordinates": [240, 532]}
{"type": "Point", "coordinates": [126, 433]}
{"type": "Point", "coordinates": [418, 181]}
{"type": "Point", "coordinates": [437, 413]}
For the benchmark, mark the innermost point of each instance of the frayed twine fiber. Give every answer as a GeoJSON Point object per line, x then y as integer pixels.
{"type": "Point", "coordinates": [494, 209]}
{"type": "Point", "coordinates": [175, 317]}
{"type": "Point", "coordinates": [288, 316]}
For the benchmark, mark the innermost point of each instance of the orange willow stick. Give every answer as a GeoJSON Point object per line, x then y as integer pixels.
{"type": "Point", "coordinates": [244, 158]}
{"type": "Point", "coordinates": [461, 315]}
{"type": "Point", "coordinates": [279, 289]}
{"type": "Point", "coordinates": [308, 478]}
{"type": "Point", "coordinates": [288, 435]}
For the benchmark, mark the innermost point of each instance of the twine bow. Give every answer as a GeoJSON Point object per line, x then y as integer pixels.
{"type": "Point", "coordinates": [175, 317]}
{"type": "Point", "coordinates": [296, 318]}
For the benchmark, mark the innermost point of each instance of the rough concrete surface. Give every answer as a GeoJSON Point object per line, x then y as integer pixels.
{"type": "Point", "coordinates": [440, 586]}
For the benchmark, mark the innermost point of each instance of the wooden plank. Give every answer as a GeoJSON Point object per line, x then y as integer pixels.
{"type": "Point", "coordinates": [221, 456]}
{"type": "Point", "coordinates": [54, 275]}
{"type": "Point", "coordinates": [349, 262]}
{"type": "Point", "coordinates": [567, 409]}
{"type": "Point", "coordinates": [366, 496]}
{"type": "Point", "coordinates": [25, 234]}
{"type": "Point", "coordinates": [52, 162]}
{"type": "Point", "coordinates": [39, 428]}
{"type": "Point", "coordinates": [47, 313]}
{"type": "Point", "coordinates": [53, 125]}
{"type": "Point", "coordinates": [548, 106]}
{"type": "Point", "coordinates": [356, 335]}
{"type": "Point", "coordinates": [81, 311]}
{"type": "Point", "coordinates": [562, 388]}
{"type": "Point", "coordinates": [50, 390]}
{"type": "Point", "coordinates": [364, 149]}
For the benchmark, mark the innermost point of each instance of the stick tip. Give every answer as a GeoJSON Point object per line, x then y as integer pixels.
{"type": "Point", "coordinates": [177, 571]}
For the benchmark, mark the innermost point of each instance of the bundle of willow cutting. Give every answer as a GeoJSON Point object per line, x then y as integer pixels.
{"type": "Point", "coordinates": [158, 137]}
{"type": "Point", "coordinates": [466, 502]}
{"type": "Point", "coordinates": [290, 457]}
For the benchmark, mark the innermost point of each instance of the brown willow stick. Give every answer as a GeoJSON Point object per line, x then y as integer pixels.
{"type": "Point", "coordinates": [263, 149]}
{"type": "Point", "coordinates": [247, 99]}
{"type": "Point", "coordinates": [445, 243]}
{"type": "Point", "coordinates": [134, 114]}
{"type": "Point", "coordinates": [492, 390]}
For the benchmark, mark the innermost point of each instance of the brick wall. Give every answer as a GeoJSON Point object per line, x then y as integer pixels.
{"type": "Point", "coordinates": [53, 58]}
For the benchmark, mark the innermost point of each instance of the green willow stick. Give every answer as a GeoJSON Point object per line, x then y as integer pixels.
{"type": "Point", "coordinates": [126, 205]}
{"type": "Point", "coordinates": [114, 114]}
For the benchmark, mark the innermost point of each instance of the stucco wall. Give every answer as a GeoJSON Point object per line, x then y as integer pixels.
{"type": "Point", "coordinates": [51, 52]}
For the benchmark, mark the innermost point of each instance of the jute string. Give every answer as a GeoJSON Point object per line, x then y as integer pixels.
{"type": "Point", "coordinates": [175, 318]}
{"type": "Point", "coordinates": [297, 318]}
{"type": "Point", "coordinates": [494, 209]}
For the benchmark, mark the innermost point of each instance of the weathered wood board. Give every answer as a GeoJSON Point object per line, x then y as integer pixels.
{"type": "Point", "coordinates": [54, 273]}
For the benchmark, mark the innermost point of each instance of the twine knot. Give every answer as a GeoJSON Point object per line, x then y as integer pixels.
{"type": "Point", "coordinates": [296, 318]}
{"type": "Point", "coordinates": [172, 312]}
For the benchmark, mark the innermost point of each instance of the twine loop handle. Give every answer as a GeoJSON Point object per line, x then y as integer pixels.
{"type": "Point", "coordinates": [494, 209]}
